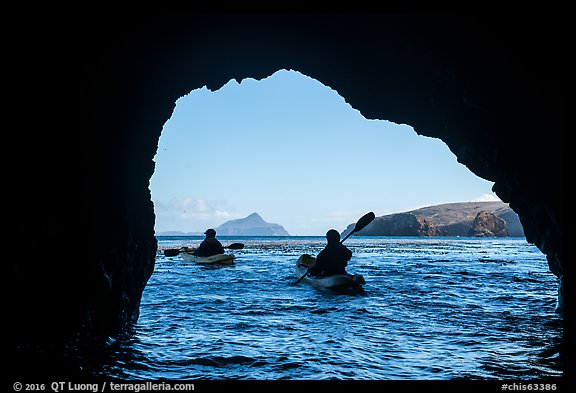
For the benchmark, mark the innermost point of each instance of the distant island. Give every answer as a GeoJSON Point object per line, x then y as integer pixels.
{"type": "Point", "coordinates": [252, 225]}
{"type": "Point", "coordinates": [476, 219]}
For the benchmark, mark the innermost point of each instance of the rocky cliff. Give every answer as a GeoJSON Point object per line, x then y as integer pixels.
{"type": "Point", "coordinates": [401, 224]}
{"type": "Point", "coordinates": [449, 219]}
{"type": "Point", "coordinates": [456, 219]}
{"type": "Point", "coordinates": [488, 225]}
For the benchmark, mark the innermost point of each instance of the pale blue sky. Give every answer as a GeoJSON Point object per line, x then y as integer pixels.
{"type": "Point", "coordinates": [294, 151]}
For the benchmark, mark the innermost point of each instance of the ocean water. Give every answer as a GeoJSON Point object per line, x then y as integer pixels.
{"type": "Point", "coordinates": [431, 309]}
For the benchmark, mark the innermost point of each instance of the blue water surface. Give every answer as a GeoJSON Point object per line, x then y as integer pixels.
{"type": "Point", "coordinates": [432, 308]}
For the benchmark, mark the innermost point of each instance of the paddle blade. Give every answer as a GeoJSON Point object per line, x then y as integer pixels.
{"type": "Point", "coordinates": [236, 246]}
{"type": "Point", "coordinates": [361, 224]}
{"type": "Point", "coordinates": [172, 252]}
{"type": "Point", "coordinates": [364, 221]}
{"type": "Point", "coordinates": [300, 279]}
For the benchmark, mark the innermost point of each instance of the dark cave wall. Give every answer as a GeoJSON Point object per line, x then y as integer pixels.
{"type": "Point", "coordinates": [489, 87]}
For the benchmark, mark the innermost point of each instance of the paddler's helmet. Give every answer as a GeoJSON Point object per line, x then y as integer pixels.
{"type": "Point", "coordinates": [333, 236]}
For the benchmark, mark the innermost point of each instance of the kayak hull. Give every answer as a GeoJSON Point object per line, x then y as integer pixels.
{"type": "Point", "coordinates": [339, 282]}
{"type": "Point", "coordinates": [219, 259]}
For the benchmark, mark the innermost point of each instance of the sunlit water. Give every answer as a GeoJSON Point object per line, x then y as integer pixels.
{"type": "Point", "coordinates": [432, 308]}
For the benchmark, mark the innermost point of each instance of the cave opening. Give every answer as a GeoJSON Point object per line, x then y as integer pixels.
{"type": "Point", "coordinates": [292, 150]}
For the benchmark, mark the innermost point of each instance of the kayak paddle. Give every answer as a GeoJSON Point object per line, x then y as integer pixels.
{"type": "Point", "coordinates": [172, 252]}
{"type": "Point", "coordinates": [361, 224]}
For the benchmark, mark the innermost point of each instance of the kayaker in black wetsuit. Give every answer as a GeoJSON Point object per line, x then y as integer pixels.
{"type": "Point", "coordinates": [209, 246]}
{"type": "Point", "coordinates": [333, 259]}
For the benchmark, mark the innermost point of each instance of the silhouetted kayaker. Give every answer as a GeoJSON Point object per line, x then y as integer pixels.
{"type": "Point", "coordinates": [333, 259]}
{"type": "Point", "coordinates": [209, 246]}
